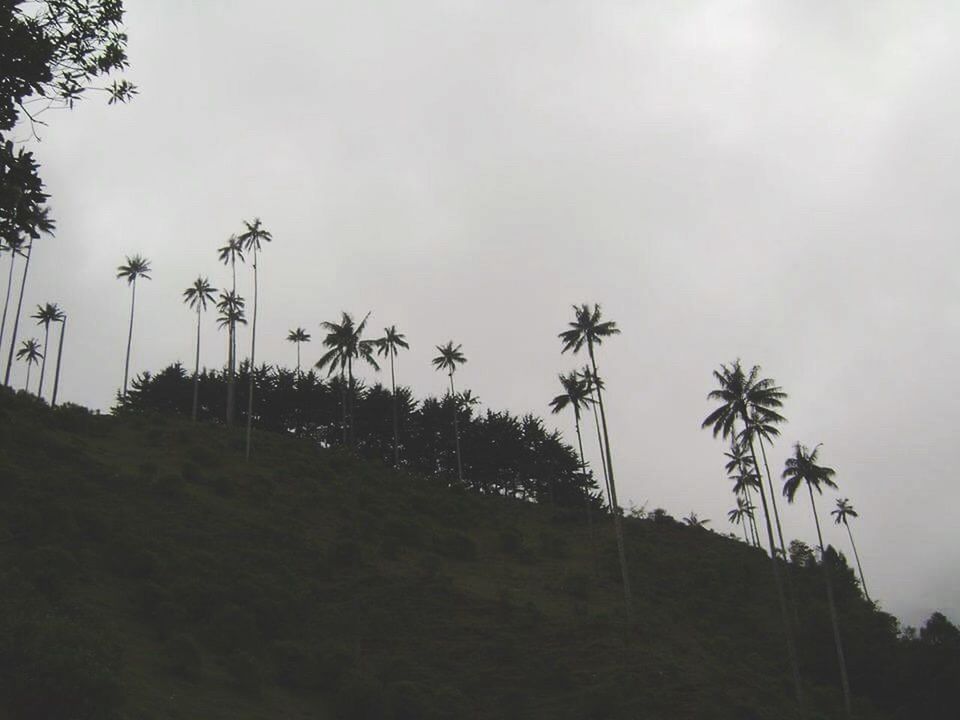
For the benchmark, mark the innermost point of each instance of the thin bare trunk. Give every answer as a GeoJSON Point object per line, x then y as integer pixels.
{"type": "Point", "coordinates": [43, 363]}
{"type": "Point", "coordinates": [773, 499]}
{"type": "Point", "coordinates": [253, 351]}
{"type": "Point", "coordinates": [56, 374]}
{"type": "Point", "coordinates": [586, 497]}
{"type": "Point", "coordinates": [863, 582]}
{"type": "Point", "coordinates": [232, 353]}
{"type": "Point", "coordinates": [126, 367]}
{"type": "Point", "coordinates": [844, 682]}
{"type": "Point", "coordinates": [396, 432]}
{"type": "Point", "coordinates": [456, 428]}
{"type": "Point", "coordinates": [6, 302]}
{"type": "Point", "coordinates": [26, 385]}
{"type": "Point", "coordinates": [196, 370]}
{"type": "Point", "coordinates": [781, 598]}
{"type": "Point", "coordinates": [16, 318]}
{"type": "Point", "coordinates": [614, 504]}
{"type": "Point", "coordinates": [603, 460]}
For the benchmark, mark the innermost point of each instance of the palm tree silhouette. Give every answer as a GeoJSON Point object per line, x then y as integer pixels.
{"type": "Point", "coordinates": [252, 239]}
{"type": "Point", "coordinates": [741, 515]}
{"type": "Point", "coordinates": [346, 344]}
{"type": "Point", "coordinates": [228, 255]}
{"type": "Point", "coordinates": [14, 246]}
{"type": "Point", "coordinates": [739, 394]}
{"type": "Point", "coordinates": [388, 345]}
{"type": "Point", "coordinates": [803, 468]}
{"type": "Point", "coordinates": [299, 335]}
{"type": "Point", "coordinates": [762, 427]}
{"type": "Point", "coordinates": [56, 372]}
{"type": "Point", "coordinates": [45, 315]}
{"type": "Point", "coordinates": [593, 384]}
{"type": "Point", "coordinates": [136, 267]}
{"type": "Point", "coordinates": [740, 469]}
{"type": "Point", "coordinates": [693, 521]}
{"type": "Point", "coordinates": [29, 351]}
{"type": "Point", "coordinates": [588, 329]}
{"type": "Point", "coordinates": [448, 359]}
{"type": "Point", "coordinates": [42, 224]}
{"type": "Point", "coordinates": [197, 296]}
{"type": "Point", "coordinates": [843, 511]}
{"type": "Point", "coordinates": [230, 313]}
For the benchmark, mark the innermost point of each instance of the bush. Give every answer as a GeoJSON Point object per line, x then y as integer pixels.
{"type": "Point", "coordinates": [456, 546]}
{"type": "Point", "coordinates": [512, 543]}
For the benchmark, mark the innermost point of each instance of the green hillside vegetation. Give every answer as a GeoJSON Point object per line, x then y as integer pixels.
{"type": "Point", "coordinates": [149, 572]}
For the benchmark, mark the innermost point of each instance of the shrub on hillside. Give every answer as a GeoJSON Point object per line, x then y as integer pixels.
{"type": "Point", "coordinates": [456, 546]}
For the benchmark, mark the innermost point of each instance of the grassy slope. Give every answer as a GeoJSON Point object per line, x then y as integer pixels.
{"type": "Point", "coordinates": [313, 585]}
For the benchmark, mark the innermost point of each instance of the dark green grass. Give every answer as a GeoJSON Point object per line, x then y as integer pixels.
{"type": "Point", "coordinates": [149, 572]}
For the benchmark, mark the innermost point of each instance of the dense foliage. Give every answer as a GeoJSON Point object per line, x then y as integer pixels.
{"type": "Point", "coordinates": [502, 453]}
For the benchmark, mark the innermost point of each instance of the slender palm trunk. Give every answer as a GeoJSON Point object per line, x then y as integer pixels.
{"type": "Point", "coordinates": [253, 351]}
{"type": "Point", "coordinates": [844, 682]}
{"type": "Point", "coordinates": [126, 367]}
{"type": "Point", "coordinates": [781, 598]}
{"type": "Point", "coordinates": [298, 358]}
{"type": "Point", "coordinates": [16, 318]}
{"type": "Point", "coordinates": [196, 370]}
{"type": "Point", "coordinates": [43, 363]}
{"type": "Point", "coordinates": [586, 497]}
{"type": "Point", "coordinates": [232, 352]}
{"type": "Point", "coordinates": [396, 432]}
{"type": "Point", "coordinates": [26, 385]}
{"type": "Point", "coordinates": [863, 582]}
{"type": "Point", "coordinates": [56, 373]}
{"type": "Point", "coordinates": [350, 403]}
{"type": "Point", "coordinates": [603, 459]}
{"type": "Point", "coordinates": [773, 498]}
{"type": "Point", "coordinates": [456, 428]}
{"type": "Point", "coordinates": [6, 302]}
{"type": "Point", "coordinates": [752, 518]}
{"type": "Point", "coordinates": [615, 506]}
{"type": "Point", "coordinates": [743, 525]}
{"type": "Point", "coordinates": [343, 404]}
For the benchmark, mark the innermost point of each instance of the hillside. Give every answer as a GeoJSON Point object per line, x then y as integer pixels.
{"type": "Point", "coordinates": [149, 572]}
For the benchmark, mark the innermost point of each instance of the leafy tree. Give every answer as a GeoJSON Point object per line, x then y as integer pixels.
{"type": "Point", "coordinates": [843, 511]}
{"type": "Point", "coordinates": [449, 358]}
{"type": "Point", "coordinates": [228, 255]}
{"type": "Point", "coordinates": [803, 468]}
{"type": "Point", "coordinates": [588, 329]}
{"type": "Point", "coordinates": [739, 394]}
{"type": "Point", "coordinates": [252, 239]}
{"type": "Point", "coordinates": [30, 352]}
{"type": "Point", "coordinates": [388, 345]}
{"type": "Point", "coordinates": [51, 53]}
{"type": "Point", "coordinates": [197, 296]}
{"type": "Point", "coordinates": [45, 315]}
{"type": "Point", "coordinates": [297, 336]}
{"type": "Point", "coordinates": [693, 521]}
{"type": "Point", "coordinates": [135, 267]}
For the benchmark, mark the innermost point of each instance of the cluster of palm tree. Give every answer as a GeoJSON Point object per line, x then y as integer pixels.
{"type": "Point", "coordinates": [18, 242]}
{"type": "Point", "coordinates": [748, 416]}
{"type": "Point", "coordinates": [582, 389]}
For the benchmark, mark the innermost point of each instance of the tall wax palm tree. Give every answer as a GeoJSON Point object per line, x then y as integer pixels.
{"type": "Point", "coordinates": [135, 267]}
{"type": "Point", "coordinates": [588, 329]}
{"type": "Point", "coordinates": [594, 384]}
{"type": "Point", "coordinates": [197, 296]}
{"type": "Point", "coordinates": [739, 395]}
{"type": "Point", "coordinates": [43, 224]}
{"type": "Point", "coordinates": [230, 313]}
{"type": "Point", "coordinates": [252, 238]}
{"type": "Point", "coordinates": [762, 427]}
{"type": "Point", "coordinates": [803, 468]}
{"type": "Point", "coordinates": [389, 345]}
{"type": "Point", "coordinates": [299, 335]}
{"type": "Point", "coordinates": [29, 351]}
{"type": "Point", "coordinates": [56, 372]}
{"type": "Point", "coordinates": [843, 511]}
{"type": "Point", "coordinates": [576, 396]}
{"type": "Point", "coordinates": [346, 343]}
{"type": "Point", "coordinates": [740, 469]}
{"type": "Point", "coordinates": [45, 315]}
{"type": "Point", "coordinates": [741, 515]}
{"type": "Point", "coordinates": [448, 359]}
{"type": "Point", "coordinates": [228, 255]}
{"type": "Point", "coordinates": [14, 246]}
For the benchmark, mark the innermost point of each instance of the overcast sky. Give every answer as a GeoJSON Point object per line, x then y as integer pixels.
{"type": "Point", "coordinates": [774, 181]}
